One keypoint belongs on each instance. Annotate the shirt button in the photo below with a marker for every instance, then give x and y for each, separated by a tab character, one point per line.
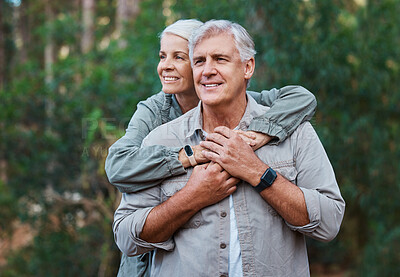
246	268
223	214
222	245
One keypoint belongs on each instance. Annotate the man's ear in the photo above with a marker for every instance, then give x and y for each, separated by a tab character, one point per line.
249	68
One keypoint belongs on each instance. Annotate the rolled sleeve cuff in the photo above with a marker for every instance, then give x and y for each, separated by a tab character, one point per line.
314	215
127	230
272	129
173	163
137	229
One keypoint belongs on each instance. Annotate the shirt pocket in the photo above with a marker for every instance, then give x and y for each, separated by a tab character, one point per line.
287	169
171	186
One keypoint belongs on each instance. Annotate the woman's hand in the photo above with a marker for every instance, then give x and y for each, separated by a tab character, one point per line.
254	139
198	156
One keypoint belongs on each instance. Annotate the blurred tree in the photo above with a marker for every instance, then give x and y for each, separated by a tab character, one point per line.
88	9
62	105
127	10
2	46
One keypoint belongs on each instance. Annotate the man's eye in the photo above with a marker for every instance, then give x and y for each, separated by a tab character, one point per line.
162	57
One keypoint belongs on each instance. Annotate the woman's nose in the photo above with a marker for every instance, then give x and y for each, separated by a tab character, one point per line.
168	64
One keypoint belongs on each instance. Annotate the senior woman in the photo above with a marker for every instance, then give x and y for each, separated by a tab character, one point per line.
131	167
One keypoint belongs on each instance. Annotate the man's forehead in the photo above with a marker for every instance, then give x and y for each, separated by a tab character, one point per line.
222	43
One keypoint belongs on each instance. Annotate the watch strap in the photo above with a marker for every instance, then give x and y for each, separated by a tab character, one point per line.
190	154
192	160
266	180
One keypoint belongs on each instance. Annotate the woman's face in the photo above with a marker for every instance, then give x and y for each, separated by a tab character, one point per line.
174	67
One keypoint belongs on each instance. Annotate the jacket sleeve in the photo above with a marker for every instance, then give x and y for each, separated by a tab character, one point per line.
130	218
316	178
131	167
289	107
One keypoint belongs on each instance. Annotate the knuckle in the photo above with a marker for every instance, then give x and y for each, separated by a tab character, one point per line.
224	158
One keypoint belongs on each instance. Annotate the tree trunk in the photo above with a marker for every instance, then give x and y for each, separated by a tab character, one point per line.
49	48
23	31
2	47
88	25
127	10
3	163
49	103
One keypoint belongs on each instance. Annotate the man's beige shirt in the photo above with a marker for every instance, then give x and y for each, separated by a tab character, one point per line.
269	245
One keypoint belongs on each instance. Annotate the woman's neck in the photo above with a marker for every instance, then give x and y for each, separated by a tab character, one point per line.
187	101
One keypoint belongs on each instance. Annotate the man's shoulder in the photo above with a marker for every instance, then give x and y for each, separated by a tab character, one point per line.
304	130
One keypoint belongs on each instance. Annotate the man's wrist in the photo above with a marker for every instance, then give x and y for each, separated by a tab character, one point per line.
266	180
256	176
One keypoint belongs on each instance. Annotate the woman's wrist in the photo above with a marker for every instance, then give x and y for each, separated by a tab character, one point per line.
197	153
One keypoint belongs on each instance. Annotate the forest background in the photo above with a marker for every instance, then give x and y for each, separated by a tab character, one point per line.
72	73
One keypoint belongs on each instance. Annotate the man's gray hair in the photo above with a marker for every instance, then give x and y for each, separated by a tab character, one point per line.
243	41
183	28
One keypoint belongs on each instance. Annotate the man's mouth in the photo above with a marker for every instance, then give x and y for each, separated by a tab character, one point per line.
211	85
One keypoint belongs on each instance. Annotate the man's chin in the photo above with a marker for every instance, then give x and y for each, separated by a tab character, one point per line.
211	101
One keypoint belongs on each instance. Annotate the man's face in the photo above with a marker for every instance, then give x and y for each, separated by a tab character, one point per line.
218	72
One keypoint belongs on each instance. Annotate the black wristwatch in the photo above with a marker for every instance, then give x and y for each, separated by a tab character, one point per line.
267	179
190	154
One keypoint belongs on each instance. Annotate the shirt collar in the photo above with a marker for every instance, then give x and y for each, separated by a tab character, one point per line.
196	122
252	110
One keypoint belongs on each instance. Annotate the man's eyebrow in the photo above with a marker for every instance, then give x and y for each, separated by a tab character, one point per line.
198	57
220	55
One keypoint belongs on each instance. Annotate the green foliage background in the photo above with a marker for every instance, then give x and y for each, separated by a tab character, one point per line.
54	136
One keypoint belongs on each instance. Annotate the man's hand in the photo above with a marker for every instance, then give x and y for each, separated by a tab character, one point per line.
228	149
254	139
209	184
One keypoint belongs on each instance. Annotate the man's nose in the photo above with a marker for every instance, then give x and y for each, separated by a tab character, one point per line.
209	68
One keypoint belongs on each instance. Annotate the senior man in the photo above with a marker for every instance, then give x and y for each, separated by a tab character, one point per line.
245	213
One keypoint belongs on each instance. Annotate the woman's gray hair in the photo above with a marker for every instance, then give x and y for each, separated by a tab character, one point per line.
183	28
244	42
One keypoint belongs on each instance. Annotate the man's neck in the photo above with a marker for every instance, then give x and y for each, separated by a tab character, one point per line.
228	115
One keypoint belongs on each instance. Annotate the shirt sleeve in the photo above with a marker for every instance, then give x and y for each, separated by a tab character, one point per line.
130	218
131	167
316	178
289	107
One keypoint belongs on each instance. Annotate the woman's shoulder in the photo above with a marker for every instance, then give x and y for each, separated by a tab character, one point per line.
156	100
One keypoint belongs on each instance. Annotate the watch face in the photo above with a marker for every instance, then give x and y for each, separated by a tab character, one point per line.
188	150
269	176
